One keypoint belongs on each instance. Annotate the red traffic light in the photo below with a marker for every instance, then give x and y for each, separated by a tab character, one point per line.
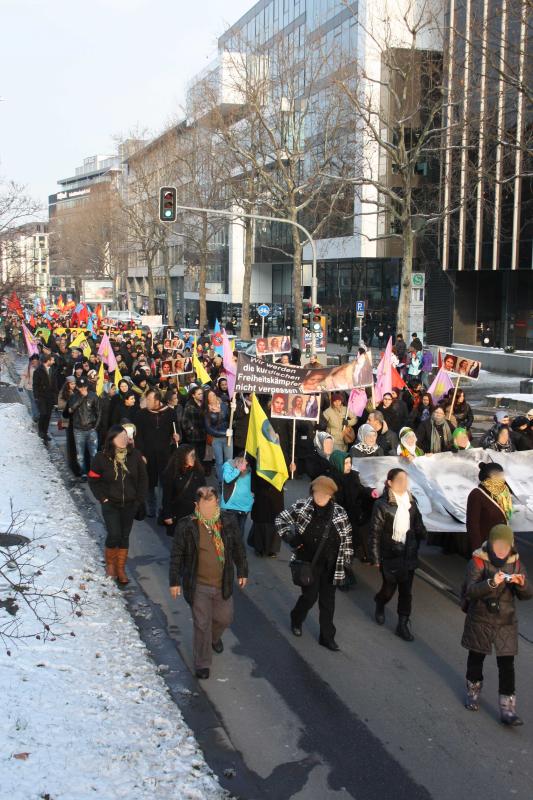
167	204
317	310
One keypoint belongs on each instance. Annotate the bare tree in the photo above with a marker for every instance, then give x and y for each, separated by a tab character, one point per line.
291	144
397	99
17	209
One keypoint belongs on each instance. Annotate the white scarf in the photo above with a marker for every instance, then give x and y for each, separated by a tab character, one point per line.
402	518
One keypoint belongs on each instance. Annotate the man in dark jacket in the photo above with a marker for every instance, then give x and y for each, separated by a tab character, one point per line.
387	439
206	547
45	393
84	410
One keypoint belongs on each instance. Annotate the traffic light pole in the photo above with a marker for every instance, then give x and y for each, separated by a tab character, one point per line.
237	214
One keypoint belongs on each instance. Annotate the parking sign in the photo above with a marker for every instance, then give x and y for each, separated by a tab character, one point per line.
360	309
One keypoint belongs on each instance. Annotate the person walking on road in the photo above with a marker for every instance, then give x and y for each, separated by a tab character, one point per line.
494	577
396	530
119	481
206	550
45	394
182	478
489	504
319	530
84	411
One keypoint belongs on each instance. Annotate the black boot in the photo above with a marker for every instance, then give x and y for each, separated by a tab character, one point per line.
403	630
379	614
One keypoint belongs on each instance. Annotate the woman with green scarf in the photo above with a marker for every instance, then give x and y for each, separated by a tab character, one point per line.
356	499
489	504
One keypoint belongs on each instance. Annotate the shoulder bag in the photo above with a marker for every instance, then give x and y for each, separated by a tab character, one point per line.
302	571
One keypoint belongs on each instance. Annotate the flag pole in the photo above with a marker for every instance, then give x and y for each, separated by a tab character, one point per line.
293	446
230	424
450	412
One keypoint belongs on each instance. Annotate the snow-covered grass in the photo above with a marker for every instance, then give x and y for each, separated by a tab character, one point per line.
88	708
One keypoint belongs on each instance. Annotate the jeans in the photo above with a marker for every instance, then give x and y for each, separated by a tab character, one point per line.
474	671
223	452
82	440
388	588
240	518
34	409
118	522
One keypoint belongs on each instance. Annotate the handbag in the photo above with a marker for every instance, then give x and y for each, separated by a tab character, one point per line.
302	571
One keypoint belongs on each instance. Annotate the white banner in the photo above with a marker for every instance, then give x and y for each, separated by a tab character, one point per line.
442	482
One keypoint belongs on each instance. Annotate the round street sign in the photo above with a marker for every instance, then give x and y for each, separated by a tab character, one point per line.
263	310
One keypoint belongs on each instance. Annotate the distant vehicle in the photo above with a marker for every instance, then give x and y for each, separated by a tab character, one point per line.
125	316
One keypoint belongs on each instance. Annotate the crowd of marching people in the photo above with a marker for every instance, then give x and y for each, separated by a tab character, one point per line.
173	447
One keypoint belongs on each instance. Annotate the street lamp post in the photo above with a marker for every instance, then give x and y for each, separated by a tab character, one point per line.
236	214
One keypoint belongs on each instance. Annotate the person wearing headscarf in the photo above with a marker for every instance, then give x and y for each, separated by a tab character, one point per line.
408	448
119	481
310	523
356	499
494	577
435	434
366	444
489	504
396	530
318	463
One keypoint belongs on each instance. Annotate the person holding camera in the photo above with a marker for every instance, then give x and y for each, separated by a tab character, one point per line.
494	577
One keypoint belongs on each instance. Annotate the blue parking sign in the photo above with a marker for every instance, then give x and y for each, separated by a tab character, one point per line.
360	308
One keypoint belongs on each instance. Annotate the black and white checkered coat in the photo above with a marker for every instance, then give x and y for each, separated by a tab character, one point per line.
294	520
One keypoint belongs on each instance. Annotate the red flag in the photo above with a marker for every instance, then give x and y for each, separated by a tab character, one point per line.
13	304
98	311
60	302
32	321
397	380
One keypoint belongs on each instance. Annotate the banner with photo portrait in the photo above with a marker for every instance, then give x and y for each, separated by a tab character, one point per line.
260	376
460	367
295	406
171	367
273	345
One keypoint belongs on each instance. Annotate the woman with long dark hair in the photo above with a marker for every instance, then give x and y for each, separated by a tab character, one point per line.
182	478
119	481
396	529
193	421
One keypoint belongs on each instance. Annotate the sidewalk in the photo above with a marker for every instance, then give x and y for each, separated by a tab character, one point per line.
86	713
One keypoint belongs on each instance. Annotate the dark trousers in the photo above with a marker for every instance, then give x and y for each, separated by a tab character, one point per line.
45	412
405	593
323	590
474	671
118	522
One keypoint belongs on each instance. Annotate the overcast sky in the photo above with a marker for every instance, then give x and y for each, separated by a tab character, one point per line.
76	73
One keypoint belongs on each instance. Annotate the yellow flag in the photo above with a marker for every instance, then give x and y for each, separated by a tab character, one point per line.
262	443
100	381
201	372
81	342
118	377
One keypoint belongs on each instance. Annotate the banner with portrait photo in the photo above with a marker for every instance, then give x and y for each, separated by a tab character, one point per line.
461	367
171	367
260	376
273	345
295	406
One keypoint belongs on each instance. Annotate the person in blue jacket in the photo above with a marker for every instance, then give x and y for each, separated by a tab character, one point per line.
237	495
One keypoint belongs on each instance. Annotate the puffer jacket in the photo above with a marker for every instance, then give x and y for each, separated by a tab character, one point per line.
484	629
382	546
184	555
84	411
120	489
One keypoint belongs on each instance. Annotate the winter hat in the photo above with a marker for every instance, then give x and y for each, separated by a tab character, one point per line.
338	459
70	379
488	469
459	432
500	415
325	485
501	533
92	374
337	396
81	382
519	422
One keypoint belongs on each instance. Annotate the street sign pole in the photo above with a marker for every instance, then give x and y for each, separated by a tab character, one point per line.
360	314
360	331
262	327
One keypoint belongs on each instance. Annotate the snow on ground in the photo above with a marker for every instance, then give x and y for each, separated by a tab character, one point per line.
89	708
517	398
5	376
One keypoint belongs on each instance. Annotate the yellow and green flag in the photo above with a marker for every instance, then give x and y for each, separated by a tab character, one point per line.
100	381
201	372
118	377
262	443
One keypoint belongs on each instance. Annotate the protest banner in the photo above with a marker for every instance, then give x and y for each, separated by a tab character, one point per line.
461	367
256	375
176	366
272	345
295	406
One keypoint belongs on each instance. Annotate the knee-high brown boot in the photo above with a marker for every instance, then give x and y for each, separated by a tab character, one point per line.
111	562
122	555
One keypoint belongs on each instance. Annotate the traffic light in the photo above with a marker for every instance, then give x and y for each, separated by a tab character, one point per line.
317	313
167	204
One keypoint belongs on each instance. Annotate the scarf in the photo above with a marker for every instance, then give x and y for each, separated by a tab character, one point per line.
499	491
364	430
214	526
402	518
119	461
320	438
436	446
408	450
